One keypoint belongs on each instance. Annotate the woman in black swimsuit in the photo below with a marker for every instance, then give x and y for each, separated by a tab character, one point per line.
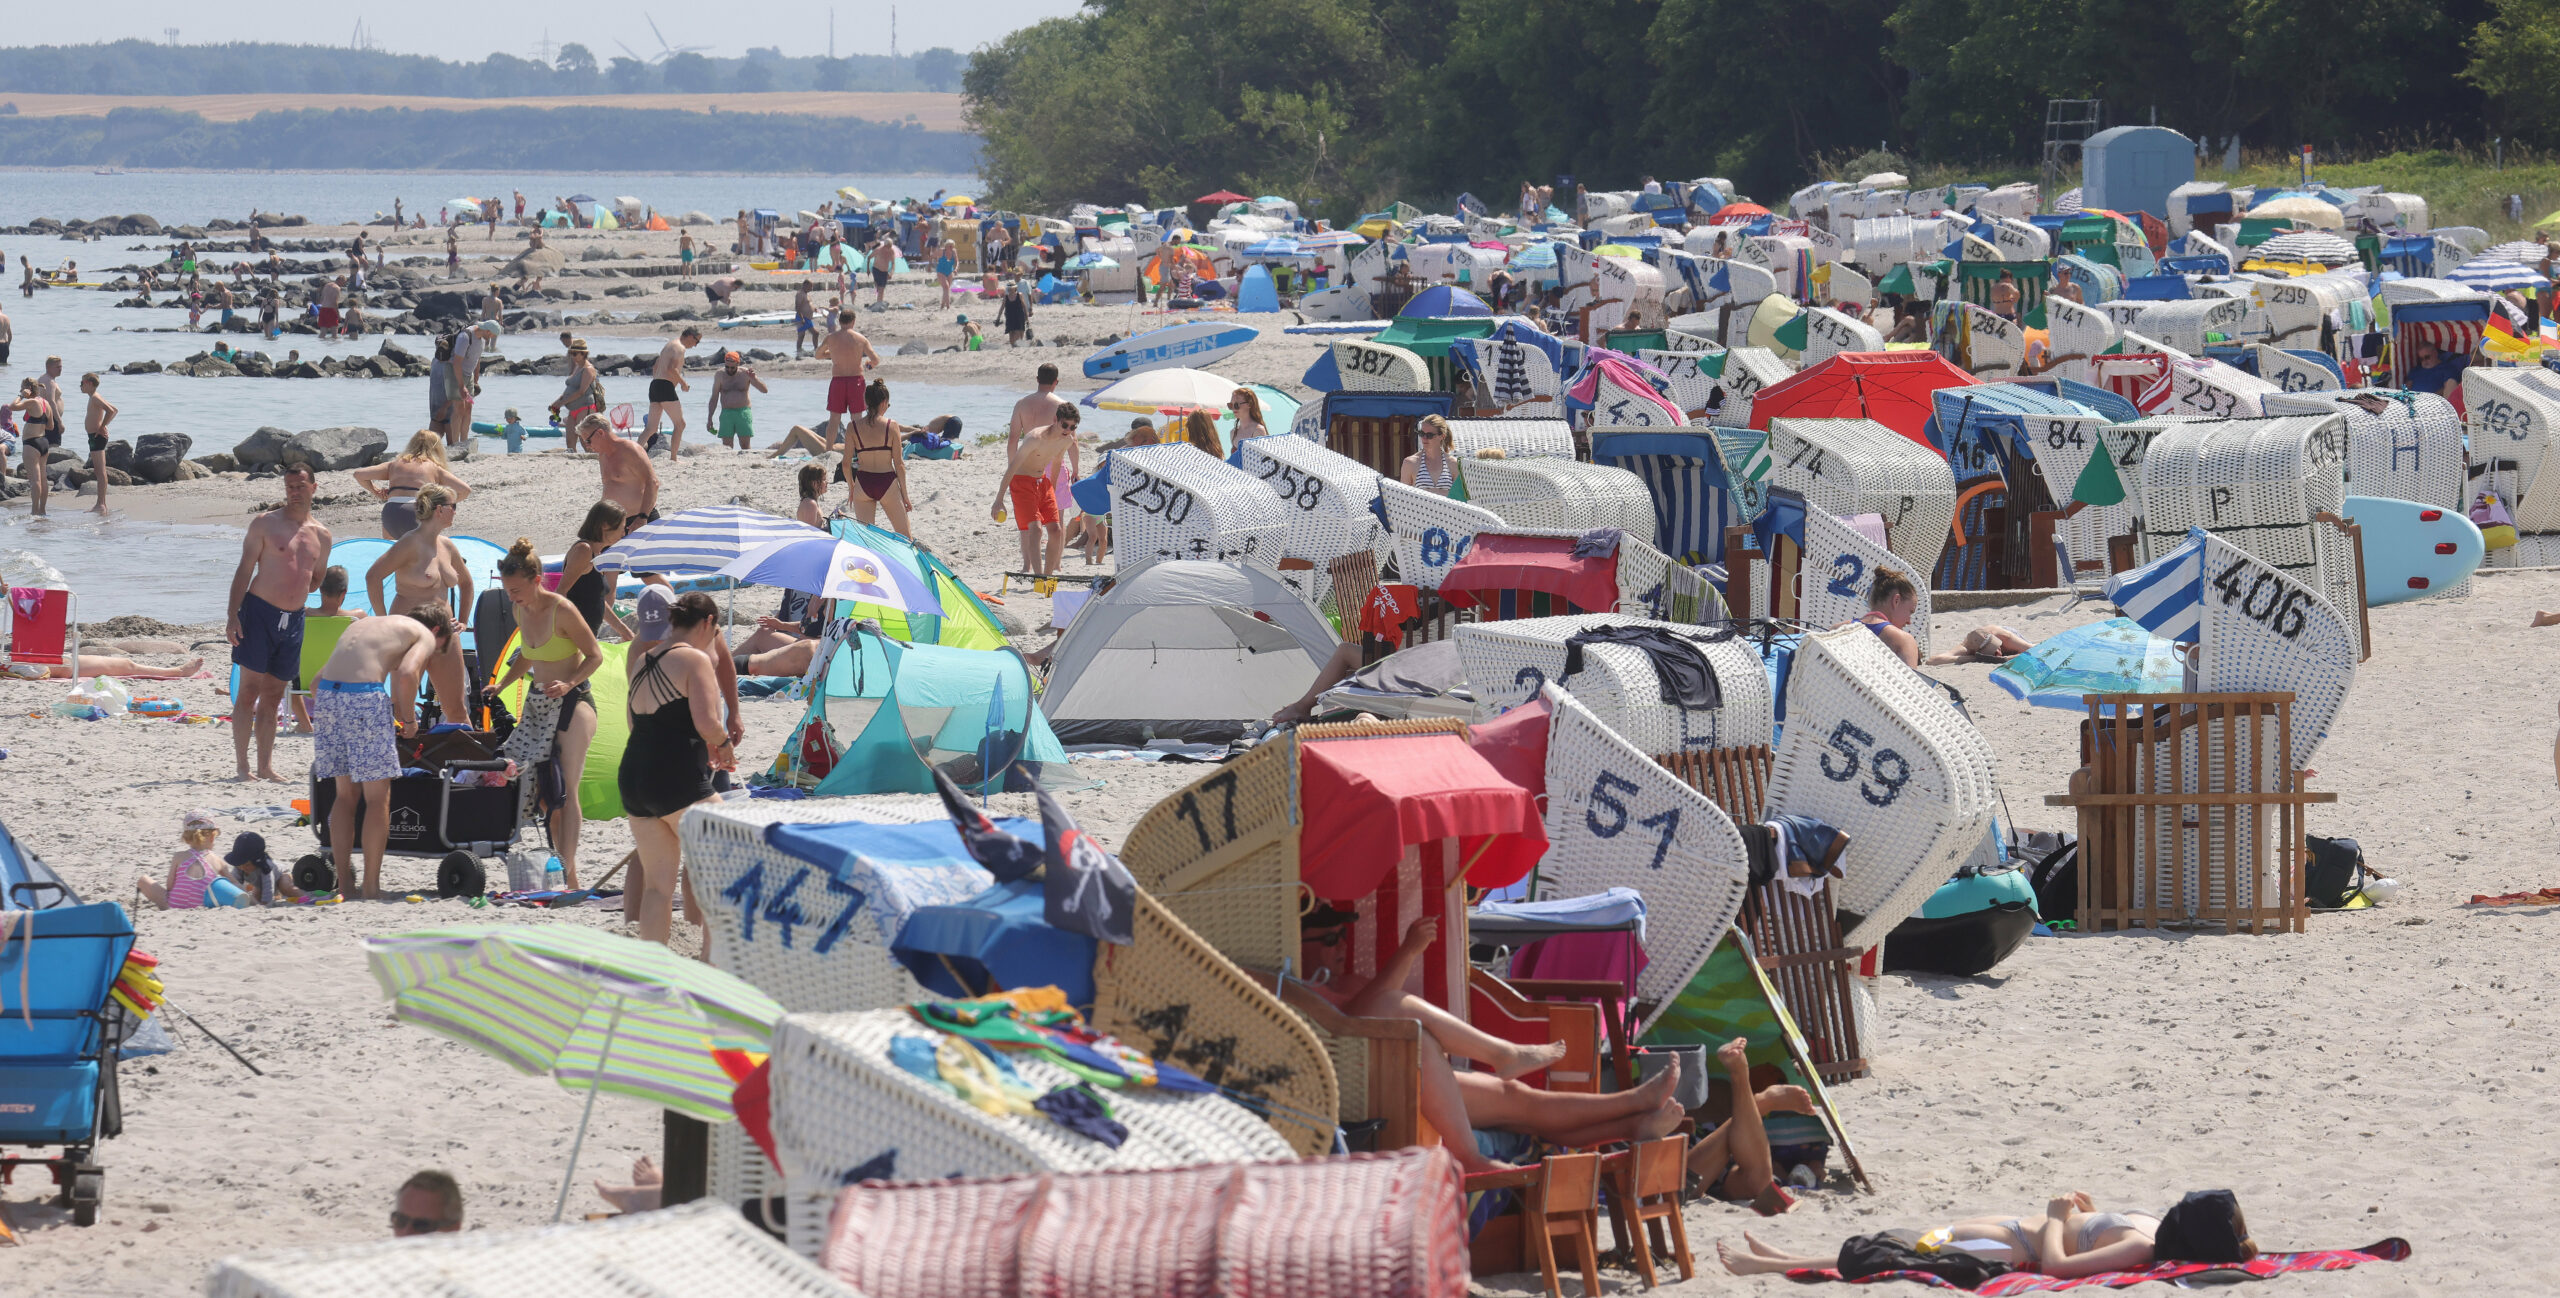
40	433
580	583
677	737
876	457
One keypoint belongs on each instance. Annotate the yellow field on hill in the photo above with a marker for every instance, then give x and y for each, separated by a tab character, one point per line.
934	112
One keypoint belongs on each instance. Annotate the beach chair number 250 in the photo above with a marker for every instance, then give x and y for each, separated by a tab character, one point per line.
1174	505
1847	740
1604	793
783	908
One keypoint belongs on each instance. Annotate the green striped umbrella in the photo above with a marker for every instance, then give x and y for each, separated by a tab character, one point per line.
596	1011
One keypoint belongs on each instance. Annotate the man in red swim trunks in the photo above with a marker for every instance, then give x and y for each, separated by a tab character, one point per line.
1035	498
850	354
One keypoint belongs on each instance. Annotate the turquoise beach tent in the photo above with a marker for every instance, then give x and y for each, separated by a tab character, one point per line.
886	715
966	621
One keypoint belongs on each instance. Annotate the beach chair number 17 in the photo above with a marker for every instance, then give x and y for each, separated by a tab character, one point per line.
1604	798
1848	741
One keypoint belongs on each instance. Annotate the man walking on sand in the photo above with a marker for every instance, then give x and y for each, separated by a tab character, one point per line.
101	413
468	347
356	725
666	377
849	355
804	320
1035	498
281	563
630	480
1034	411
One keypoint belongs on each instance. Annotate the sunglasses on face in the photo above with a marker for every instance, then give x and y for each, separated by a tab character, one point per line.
404	1224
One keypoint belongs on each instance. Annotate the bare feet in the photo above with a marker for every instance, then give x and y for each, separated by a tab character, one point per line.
1735	1055
1529	1059
1744	1262
2541	618
1785	1099
1656	1089
193	665
272	776
1662	1121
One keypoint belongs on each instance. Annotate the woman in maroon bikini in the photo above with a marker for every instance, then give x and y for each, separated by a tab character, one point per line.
876	461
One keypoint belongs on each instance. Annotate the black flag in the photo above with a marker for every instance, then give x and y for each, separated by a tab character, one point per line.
1007	856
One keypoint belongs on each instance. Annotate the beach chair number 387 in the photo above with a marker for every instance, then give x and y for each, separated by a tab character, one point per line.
1849	741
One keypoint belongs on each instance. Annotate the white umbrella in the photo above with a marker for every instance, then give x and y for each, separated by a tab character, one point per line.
1886	180
2309	210
2307	245
701	541
1156	391
2523	252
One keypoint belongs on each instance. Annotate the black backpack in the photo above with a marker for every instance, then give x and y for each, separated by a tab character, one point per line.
2056	878
2334	872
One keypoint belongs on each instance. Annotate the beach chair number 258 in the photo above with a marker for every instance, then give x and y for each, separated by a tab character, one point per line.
1850	742
1604	793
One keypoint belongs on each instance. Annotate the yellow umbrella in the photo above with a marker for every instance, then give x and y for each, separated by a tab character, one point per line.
959	200
2553	219
852	195
1616	250
1774	310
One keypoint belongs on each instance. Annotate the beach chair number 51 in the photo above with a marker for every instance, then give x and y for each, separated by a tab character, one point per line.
1604	793
1851	743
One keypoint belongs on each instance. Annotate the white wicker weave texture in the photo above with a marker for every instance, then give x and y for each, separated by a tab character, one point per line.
1827	333
1553	494
694	1249
1876	749
2514	416
1617	819
2257	483
2210	389
1432	532
1693	389
1517	439
2400	445
1509	662
840	1105
2078	333
1840	568
2265	629
1858	466
1364	366
1747	370
1521	380
1326	497
1180	502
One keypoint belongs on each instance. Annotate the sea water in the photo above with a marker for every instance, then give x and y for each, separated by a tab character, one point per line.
332	198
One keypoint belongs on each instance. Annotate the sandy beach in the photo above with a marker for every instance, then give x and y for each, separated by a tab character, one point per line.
2371	1078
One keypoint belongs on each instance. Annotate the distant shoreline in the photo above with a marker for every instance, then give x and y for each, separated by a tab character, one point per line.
90	168
937	112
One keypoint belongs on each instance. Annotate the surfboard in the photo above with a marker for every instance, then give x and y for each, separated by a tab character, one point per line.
1193	344
2413	550
486	428
759	318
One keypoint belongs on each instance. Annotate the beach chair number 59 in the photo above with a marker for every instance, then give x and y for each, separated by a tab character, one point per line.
1851	742
1604	793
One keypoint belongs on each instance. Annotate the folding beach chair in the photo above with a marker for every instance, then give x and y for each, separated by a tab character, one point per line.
40	627
2069	575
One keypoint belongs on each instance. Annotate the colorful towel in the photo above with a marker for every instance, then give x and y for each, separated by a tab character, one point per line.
2262	1267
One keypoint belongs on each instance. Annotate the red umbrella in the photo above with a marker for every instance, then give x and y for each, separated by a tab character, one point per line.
1224	196
1731	213
1891	388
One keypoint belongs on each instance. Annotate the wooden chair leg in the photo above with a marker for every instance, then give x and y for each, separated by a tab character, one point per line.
1626	1220
1533	1220
1680	1242
1587	1248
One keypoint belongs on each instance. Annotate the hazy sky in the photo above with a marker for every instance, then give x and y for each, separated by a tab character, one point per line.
472	29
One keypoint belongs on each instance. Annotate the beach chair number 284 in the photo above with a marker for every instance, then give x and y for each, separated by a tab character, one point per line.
1848	740
1604	793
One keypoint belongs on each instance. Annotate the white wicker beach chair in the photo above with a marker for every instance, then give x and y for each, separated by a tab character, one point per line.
2210	389
1521	380
1509	662
1180	502
1848	286
1431	531
1990	345
2292	311
1840	568
2293	375
2181	323
2257	483
1878	751
2400	445
1518	439
1747	286
1827	333
1693	387
1617	819
1326	498
2078	333
1858	466
2513	415
841	1106
695	1248
1365	366
2020	240
1552	494
1746	371
2063	447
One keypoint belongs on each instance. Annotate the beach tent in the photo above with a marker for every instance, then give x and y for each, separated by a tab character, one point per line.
1185	650
1445	300
882	716
26	882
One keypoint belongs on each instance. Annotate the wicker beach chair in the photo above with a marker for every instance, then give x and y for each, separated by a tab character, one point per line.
1179	502
1365	366
2261	484
1747	370
2181	323
1839	570
2513	413
2212	389
1430	531
1827	333
1388	1224
1693	373
1511	663
1326	497
1517	439
697	1248
1858	466
1520	378
1982	343
2404	445
1550	494
2078	333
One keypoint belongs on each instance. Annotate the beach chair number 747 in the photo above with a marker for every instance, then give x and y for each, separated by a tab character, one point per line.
1845	740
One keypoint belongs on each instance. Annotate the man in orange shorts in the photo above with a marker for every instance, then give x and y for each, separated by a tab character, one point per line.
1035	498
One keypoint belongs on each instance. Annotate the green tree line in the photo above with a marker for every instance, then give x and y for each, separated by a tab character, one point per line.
1350	102
488	139
133	67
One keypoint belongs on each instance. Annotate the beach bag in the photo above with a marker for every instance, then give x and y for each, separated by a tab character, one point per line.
2334	873
2056	878
2497	527
1899	1250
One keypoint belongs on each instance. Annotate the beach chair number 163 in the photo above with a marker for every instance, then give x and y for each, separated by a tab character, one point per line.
1604	793
1849	741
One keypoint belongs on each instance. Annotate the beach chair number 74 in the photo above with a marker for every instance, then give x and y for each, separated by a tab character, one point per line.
1668	820
1847	740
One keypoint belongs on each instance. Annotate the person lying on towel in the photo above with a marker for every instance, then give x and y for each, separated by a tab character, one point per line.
2071	1239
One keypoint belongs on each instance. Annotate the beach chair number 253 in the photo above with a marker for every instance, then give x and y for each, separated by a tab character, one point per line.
1604	797
1852	744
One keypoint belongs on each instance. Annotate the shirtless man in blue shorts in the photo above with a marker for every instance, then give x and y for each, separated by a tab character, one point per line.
281	561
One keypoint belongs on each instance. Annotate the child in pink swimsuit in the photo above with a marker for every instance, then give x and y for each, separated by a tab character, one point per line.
191	872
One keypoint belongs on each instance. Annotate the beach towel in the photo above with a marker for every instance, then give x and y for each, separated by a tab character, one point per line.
2261	1267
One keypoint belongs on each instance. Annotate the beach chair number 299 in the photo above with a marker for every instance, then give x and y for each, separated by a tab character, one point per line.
1851	742
1604	793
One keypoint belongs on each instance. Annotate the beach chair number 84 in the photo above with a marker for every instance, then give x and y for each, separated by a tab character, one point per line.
1604	797
1851	742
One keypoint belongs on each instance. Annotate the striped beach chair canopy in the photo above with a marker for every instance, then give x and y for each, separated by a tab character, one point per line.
2166	595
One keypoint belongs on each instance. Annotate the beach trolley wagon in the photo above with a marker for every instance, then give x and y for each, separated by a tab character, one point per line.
2263	485
1850	467
443	805
1180	502
1335	539
61	1035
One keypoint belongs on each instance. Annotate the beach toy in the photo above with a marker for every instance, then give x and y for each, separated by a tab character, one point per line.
223	892
156	707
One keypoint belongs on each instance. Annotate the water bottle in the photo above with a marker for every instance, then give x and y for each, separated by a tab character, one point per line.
553	877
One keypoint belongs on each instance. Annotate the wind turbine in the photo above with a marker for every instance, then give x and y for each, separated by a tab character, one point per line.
666	51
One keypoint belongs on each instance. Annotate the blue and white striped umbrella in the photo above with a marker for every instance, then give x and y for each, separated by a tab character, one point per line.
2492	275
2166	595
701	541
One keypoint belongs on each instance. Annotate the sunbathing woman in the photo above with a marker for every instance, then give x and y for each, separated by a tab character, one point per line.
2071	1239
1456	1103
98	665
1891	604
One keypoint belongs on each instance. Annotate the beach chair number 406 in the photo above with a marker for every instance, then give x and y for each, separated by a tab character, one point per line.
1175	505
1847	740
2282	612
1604	798
782	910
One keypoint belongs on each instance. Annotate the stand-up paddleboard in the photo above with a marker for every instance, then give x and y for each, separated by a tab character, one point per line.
2413	550
759	318
1192	344
491	428
1342	302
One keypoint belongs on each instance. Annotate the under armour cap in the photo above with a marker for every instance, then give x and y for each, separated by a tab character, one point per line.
652	622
